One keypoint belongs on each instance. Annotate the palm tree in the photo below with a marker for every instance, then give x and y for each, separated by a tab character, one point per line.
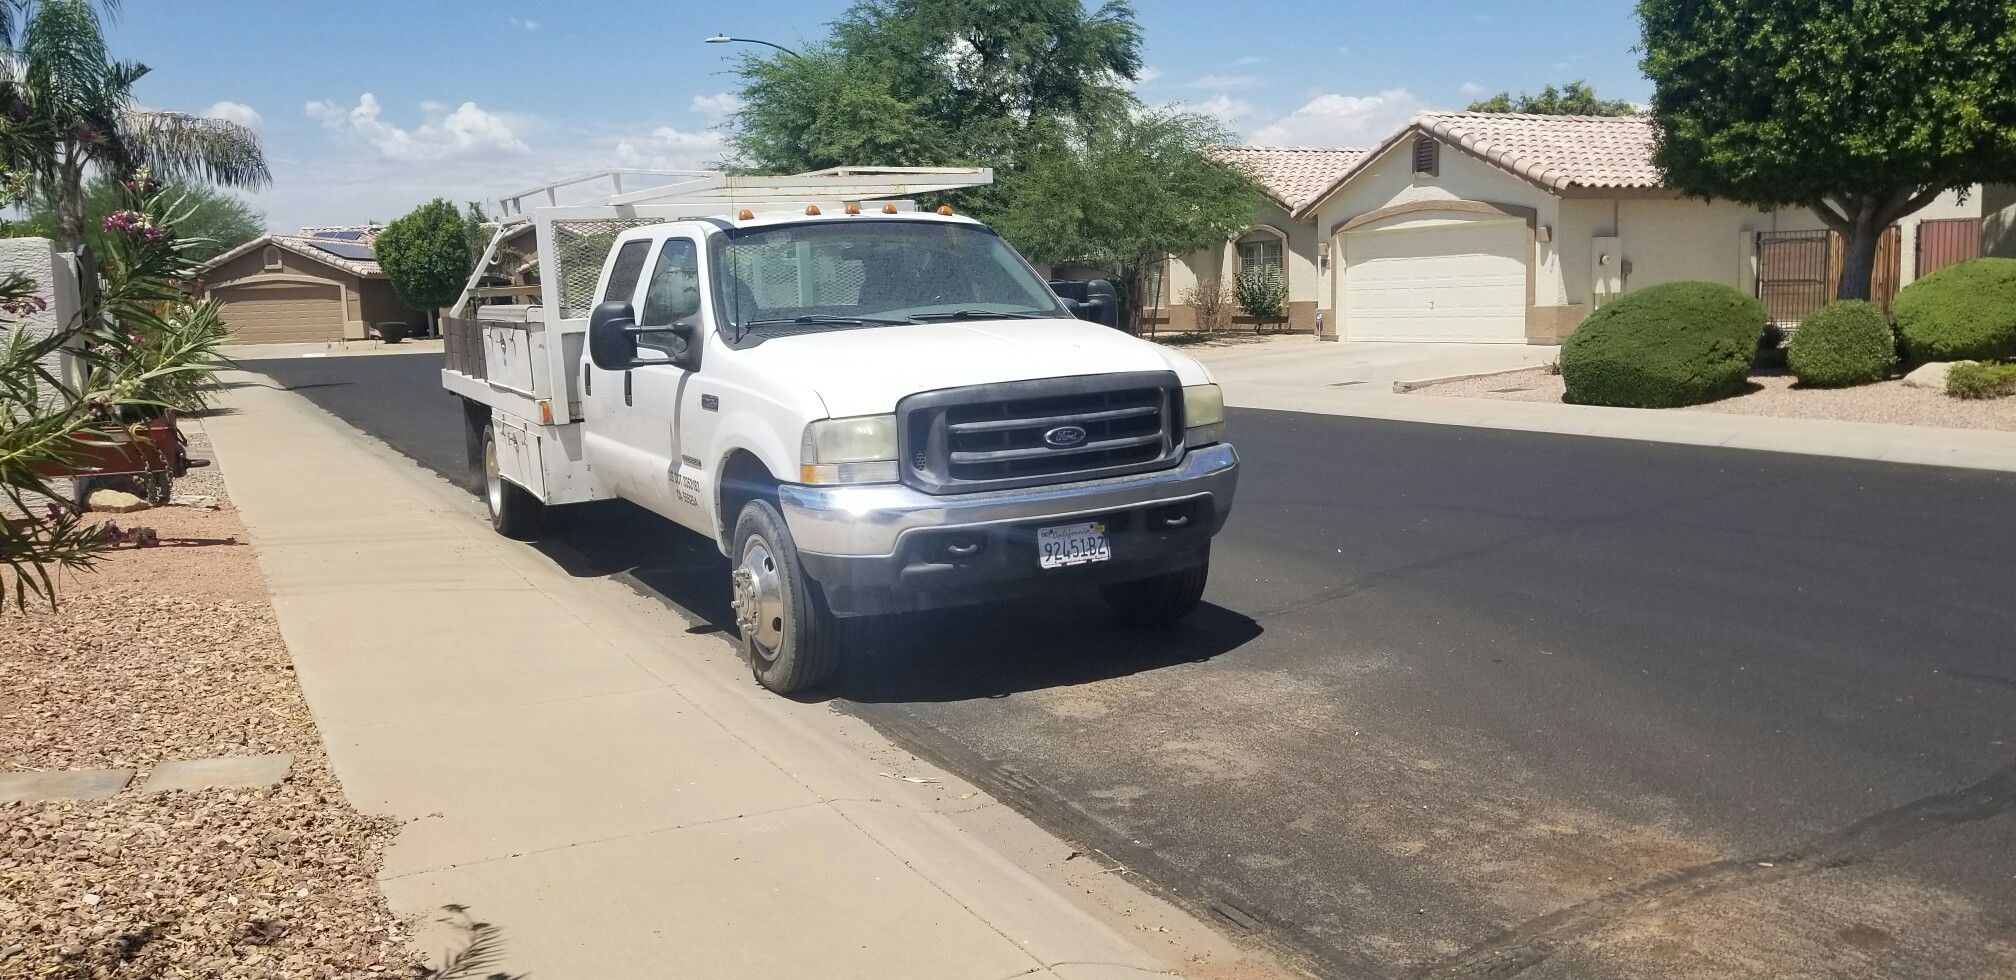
67	84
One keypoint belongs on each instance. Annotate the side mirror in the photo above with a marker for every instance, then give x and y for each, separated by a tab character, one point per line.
612	336
1101	305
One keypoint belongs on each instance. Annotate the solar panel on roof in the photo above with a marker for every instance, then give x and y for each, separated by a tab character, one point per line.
348	250
342	236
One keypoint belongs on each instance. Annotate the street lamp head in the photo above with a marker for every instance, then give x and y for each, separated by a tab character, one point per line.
719	39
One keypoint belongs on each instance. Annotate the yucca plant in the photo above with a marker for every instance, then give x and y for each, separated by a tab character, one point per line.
141	345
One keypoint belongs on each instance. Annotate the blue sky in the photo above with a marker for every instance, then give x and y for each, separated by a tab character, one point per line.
369	107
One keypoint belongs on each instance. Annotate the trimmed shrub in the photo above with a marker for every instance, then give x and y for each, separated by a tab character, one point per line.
1972	379
1842	344
1678	343
1964	312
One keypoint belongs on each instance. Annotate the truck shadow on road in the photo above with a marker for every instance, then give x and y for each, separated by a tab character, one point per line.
947	655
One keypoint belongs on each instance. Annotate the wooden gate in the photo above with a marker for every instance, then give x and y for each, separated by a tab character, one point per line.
1944	241
1800	271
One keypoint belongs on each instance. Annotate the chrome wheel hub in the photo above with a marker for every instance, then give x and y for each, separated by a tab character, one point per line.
759	598
493	480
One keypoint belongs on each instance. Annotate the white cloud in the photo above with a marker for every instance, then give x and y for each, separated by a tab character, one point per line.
669	148
1224	108
1472	89
717	107
1145	77
1334	119
1246	62
524	24
1221	83
237	112
466	132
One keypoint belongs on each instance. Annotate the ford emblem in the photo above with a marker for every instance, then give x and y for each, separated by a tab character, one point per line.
1065	436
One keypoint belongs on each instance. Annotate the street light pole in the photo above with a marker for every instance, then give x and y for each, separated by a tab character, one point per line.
725	39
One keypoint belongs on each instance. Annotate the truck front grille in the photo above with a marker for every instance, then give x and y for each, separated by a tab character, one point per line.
1028	433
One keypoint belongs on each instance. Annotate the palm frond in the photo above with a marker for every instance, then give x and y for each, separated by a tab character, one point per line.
178	146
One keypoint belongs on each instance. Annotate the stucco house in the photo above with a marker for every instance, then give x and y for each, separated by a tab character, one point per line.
1290	177
321	285
1510	228
1998	220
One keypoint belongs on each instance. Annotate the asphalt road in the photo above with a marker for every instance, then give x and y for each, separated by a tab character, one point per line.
1471	702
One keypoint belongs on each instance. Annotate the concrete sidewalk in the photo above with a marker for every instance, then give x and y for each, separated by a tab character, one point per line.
603	782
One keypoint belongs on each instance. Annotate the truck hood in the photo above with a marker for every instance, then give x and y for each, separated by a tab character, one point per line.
865	370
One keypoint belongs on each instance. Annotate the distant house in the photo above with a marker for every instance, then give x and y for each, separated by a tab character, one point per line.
321	285
1509	228
1276	242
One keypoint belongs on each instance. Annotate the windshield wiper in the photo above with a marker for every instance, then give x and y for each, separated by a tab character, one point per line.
978	315
831	318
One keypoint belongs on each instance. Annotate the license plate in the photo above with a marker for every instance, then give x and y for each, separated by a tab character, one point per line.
1072	544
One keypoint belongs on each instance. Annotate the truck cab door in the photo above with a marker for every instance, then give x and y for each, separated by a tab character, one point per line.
660	394
605	443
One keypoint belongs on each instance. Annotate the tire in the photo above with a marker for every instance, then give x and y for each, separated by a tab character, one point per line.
1158	602
798	647
475	419
514	512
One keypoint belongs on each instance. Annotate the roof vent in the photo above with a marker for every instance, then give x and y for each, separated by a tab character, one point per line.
1427	156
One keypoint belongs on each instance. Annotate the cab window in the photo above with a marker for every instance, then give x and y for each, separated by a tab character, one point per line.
623	275
673	295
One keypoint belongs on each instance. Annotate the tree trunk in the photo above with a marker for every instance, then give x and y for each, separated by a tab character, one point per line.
1858	258
69	203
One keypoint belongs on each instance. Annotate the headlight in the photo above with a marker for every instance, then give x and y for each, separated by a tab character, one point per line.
855	450
1203	415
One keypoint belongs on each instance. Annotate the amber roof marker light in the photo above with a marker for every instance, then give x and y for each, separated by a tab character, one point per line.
945	209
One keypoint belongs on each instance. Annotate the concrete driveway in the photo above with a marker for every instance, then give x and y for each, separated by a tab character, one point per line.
1305	362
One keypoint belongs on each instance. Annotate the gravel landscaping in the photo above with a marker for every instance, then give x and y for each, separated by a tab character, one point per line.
1777	395
169	653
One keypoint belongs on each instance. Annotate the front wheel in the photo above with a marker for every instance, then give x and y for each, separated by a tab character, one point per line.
788	633
1159	601
514	512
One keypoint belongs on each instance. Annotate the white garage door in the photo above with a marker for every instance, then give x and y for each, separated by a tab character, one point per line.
1463	281
266	313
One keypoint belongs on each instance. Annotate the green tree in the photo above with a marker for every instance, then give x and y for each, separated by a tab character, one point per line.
1863	112
426	255
67	84
1573	99
993	83
216	221
1124	195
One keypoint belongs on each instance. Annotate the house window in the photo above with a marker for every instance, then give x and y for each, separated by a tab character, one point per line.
1427	157
1151	286
272	257
1261	253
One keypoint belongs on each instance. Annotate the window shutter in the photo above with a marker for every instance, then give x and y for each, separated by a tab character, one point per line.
1426	155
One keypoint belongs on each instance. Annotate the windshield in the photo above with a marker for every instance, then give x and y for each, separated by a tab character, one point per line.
831	275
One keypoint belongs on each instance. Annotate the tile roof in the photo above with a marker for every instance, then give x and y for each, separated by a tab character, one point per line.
1293	175
1556	152
304	246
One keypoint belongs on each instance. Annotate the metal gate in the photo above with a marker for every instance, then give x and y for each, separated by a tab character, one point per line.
1800	271
1944	241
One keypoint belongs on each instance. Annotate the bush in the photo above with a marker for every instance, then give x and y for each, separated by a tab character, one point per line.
1970	379
1677	343
1262	294
1843	344
1964	312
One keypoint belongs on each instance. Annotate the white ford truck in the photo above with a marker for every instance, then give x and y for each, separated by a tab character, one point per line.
870	409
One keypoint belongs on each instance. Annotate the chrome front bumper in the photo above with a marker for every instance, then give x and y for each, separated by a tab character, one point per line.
870	521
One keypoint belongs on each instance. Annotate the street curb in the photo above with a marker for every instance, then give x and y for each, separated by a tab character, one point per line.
1403	387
